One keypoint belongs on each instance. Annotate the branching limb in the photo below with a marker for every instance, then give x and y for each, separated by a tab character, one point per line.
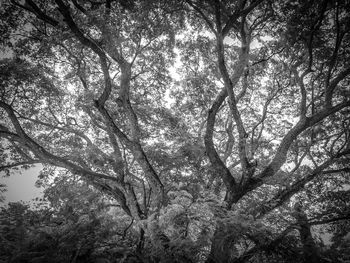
281	154
285	194
70	131
46	157
339	38
139	154
88	42
230	84
214	157
30	6
333	84
202	15
241	11
254	143
64	10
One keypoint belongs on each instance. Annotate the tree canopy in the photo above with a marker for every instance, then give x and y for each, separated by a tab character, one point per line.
205	130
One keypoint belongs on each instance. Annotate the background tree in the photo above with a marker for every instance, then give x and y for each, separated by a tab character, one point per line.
260	118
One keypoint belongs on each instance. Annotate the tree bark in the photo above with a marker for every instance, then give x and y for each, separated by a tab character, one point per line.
310	252
221	247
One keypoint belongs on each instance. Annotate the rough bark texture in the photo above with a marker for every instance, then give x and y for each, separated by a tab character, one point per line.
310	252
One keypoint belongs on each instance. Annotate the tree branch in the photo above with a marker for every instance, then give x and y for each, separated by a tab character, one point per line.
200	12
285	194
64	10
241	12
39	13
329	220
138	153
229	85
300	80
281	154
333	84
214	158
22	138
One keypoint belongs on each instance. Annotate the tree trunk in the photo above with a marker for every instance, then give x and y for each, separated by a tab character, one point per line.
310	252
221	247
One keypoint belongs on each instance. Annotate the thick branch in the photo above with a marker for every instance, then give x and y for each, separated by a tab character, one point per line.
230	140
214	157
22	138
39	13
115	193
300	80
97	179
281	154
107	79
302	125
72	131
333	84
137	151
310	252
284	195
64	10
124	96
241	12
200	12
230	84
78	6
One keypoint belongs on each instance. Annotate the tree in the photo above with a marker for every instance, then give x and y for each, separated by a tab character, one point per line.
259	119
78	230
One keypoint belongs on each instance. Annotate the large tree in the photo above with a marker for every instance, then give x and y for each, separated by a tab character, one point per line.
203	120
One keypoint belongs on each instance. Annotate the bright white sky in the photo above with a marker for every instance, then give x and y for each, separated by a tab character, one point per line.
22	186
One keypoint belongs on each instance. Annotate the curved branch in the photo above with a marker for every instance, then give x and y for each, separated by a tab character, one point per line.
125	97
23	138
113	192
78	6
33	8
230	84
300	80
240	12
215	160
333	84
254	142
64	10
138	153
284	195
97	179
281	154
230	140
72	131
200	12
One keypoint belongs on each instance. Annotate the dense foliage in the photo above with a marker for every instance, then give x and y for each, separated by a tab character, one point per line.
177	131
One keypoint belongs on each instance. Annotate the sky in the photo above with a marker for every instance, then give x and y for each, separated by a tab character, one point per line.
21	186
